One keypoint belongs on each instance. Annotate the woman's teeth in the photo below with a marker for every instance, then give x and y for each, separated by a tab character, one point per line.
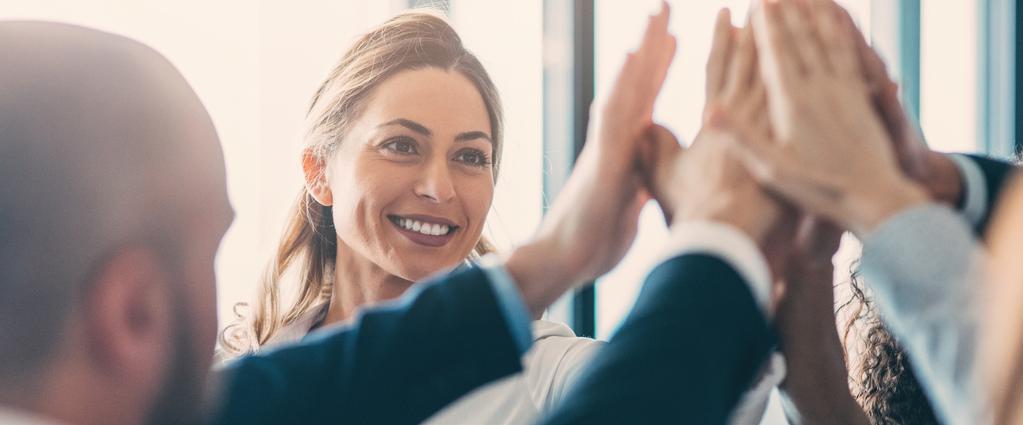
424	228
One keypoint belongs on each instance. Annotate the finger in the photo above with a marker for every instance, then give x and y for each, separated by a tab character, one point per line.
742	67
808	45
653	37
779	64
874	68
820	16
654	58
720	54
643	55
892	112
621	91
664	53
660	70
843	44
755	110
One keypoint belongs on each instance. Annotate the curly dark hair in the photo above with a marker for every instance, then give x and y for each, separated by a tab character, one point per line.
888	390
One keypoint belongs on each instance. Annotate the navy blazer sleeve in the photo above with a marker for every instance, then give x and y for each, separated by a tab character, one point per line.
691	346
396	364
997	174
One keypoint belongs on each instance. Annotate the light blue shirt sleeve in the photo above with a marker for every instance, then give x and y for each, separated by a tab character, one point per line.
926	268
510	301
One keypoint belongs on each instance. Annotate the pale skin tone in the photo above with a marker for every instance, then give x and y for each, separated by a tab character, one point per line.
818	92
1002	335
422	148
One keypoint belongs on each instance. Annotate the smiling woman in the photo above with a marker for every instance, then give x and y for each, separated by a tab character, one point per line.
403	146
419	153
406	130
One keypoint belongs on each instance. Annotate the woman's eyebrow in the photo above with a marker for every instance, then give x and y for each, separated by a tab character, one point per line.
409	124
473	135
421	129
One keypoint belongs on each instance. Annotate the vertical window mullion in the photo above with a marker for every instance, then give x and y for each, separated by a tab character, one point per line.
569	85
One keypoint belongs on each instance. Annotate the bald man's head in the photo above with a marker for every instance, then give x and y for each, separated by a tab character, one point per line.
109	167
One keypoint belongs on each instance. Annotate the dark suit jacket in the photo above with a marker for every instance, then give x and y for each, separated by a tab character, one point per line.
394	365
690	348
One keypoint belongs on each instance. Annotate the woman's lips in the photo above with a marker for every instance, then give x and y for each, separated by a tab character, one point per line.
424	232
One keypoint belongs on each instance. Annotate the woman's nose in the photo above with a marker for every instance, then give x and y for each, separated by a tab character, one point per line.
435	183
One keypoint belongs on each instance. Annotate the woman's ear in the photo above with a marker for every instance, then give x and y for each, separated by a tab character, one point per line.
315	170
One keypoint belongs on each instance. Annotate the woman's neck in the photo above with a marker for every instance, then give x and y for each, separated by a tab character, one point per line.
358	283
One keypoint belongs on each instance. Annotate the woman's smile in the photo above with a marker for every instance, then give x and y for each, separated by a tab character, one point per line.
425	230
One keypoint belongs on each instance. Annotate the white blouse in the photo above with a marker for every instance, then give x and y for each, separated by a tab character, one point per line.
550	367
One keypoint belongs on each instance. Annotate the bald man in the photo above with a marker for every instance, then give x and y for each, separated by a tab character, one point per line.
113	204
112	207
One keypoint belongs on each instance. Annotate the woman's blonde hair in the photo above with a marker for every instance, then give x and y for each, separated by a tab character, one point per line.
412	40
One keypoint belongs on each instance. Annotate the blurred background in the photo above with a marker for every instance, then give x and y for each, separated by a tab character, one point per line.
256	64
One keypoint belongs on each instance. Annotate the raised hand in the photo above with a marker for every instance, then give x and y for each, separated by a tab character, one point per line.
831	153
594	220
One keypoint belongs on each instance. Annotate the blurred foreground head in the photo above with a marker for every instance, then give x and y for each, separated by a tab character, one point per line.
1002	320
112	206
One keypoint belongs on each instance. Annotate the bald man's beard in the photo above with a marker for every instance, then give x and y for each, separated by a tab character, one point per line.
181	397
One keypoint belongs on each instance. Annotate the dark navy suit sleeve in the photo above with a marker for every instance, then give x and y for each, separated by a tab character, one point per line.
395	364
997	174
691	346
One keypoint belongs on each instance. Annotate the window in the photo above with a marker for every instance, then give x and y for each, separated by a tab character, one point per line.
949	61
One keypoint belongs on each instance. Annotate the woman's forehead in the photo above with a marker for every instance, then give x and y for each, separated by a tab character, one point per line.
444	102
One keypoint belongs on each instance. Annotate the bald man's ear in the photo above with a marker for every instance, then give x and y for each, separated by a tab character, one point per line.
128	318
315	170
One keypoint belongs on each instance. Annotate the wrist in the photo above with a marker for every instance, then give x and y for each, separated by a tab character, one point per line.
540	275
943	182
870	210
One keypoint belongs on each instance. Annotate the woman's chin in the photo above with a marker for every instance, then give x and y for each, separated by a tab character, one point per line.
420	271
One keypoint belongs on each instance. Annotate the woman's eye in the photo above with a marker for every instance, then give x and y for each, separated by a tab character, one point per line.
473	157
402	146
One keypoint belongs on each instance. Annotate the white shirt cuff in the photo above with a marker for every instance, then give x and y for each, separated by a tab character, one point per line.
974	206
731	245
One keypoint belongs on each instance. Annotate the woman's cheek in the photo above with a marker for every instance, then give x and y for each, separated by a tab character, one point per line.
478	196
